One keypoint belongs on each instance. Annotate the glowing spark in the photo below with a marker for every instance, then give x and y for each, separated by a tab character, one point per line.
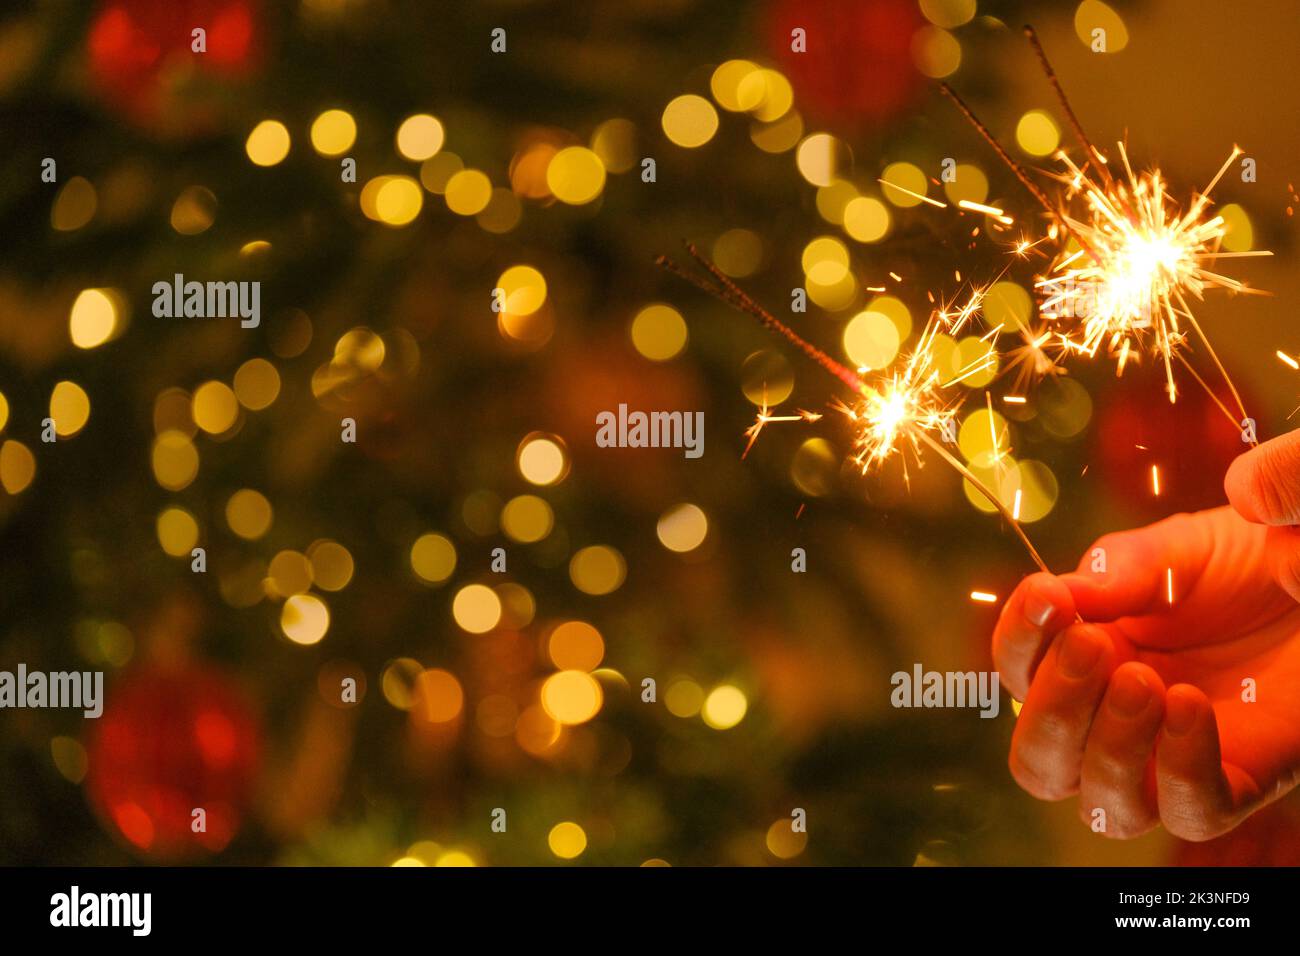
1169	585
899	404
1014	399
896	410
1155	480
1015	508
920	196
1129	259
998	214
1036	358
984	597
1127	289
1288	359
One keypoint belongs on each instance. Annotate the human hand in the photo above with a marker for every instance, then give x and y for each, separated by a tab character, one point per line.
1185	714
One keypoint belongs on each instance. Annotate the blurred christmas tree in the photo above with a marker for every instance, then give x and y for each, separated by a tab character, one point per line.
333	565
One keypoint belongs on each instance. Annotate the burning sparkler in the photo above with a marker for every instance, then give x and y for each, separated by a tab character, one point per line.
896	412
1137	259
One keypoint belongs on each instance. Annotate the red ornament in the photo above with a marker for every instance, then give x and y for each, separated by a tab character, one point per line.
171	742
857	69
143	62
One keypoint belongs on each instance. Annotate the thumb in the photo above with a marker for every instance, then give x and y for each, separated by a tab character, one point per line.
1263	485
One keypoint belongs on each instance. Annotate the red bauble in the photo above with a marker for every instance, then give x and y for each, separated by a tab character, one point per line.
171	742
142	61
1191	441
858	68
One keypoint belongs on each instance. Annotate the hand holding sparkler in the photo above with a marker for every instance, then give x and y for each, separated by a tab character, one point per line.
1176	707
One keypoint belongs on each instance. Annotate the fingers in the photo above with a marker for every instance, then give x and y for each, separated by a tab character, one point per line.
1199	797
1039	608
1114	776
1134	573
1282	551
1047	745
1264	483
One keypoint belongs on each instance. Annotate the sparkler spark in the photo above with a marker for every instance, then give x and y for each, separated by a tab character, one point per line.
895	411
1141	259
899	406
1136	259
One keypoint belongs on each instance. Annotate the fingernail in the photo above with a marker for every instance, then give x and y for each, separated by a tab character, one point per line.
1180	714
1078	655
1038	609
1129	696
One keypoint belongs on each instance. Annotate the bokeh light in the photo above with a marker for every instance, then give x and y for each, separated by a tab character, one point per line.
268	143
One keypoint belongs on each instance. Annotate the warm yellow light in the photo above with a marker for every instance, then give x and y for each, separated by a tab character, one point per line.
567	840
333	132
304	619
468	192
1037	133
398	201
257	384
175	460
17	466
597	570
614	141
1092	16
726	86
438	696
420	136
433	558
194	211
910	182
527	519
819	158
476	608
178	532
541	460
268	143
936	52
571	697
825	261
724	707
576	645
575	175
690	121
682	528
866	219
948	13
289	573
331	565
69	407
524	289
93	318
871	340
248	513
684	698
659	332
216	409
75	205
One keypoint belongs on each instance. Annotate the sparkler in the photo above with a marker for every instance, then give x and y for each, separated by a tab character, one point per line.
896	412
1139	259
